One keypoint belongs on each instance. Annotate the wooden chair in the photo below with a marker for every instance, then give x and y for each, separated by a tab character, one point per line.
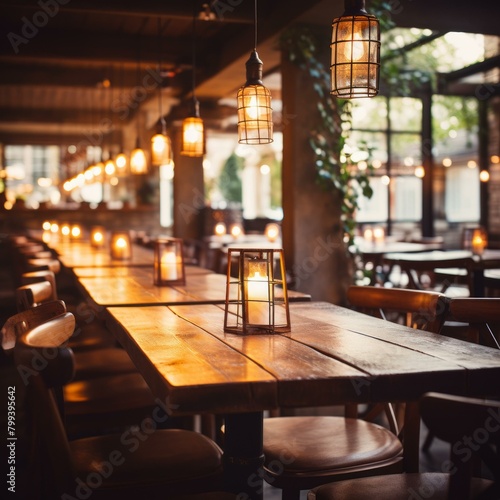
139	463
474	320
327	448
477	320
453	419
90	363
90	332
421	272
106	392
423	310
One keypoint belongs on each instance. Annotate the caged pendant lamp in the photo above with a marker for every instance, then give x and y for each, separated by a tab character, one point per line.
355	53
255	120
193	130
161	147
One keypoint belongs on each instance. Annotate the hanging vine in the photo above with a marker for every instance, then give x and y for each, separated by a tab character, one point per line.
327	140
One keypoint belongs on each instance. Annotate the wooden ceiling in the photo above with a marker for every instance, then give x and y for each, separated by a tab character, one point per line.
56	56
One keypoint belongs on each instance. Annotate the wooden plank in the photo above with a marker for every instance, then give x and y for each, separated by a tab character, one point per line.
193	371
99	272
481	363
304	374
111	291
314	361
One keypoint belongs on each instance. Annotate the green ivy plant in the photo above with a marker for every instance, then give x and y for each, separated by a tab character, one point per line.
327	140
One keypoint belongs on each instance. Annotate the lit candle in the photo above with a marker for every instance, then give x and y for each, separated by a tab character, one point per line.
97	237
379	235
272	232
220	229
76	232
236	231
478	244
258	299
168	266
368	234
120	248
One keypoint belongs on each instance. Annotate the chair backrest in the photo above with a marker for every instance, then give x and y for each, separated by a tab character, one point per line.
37	276
33	294
28	319
481	314
471	427
424	310
45	366
40	264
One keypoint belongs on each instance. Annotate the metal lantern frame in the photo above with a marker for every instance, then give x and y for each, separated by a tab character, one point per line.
355	53
169	262
256	304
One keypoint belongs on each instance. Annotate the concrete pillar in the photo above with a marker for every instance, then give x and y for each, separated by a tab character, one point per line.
315	254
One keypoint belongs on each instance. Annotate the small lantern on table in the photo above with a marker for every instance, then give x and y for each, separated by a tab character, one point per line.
256	300
121	245
169	262
98	236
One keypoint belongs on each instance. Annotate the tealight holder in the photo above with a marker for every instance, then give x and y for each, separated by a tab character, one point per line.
272	232
169	262
98	236
121	245
479	241
236	230
257	300
220	229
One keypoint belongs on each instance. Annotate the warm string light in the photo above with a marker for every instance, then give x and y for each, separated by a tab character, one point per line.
355	52
255	122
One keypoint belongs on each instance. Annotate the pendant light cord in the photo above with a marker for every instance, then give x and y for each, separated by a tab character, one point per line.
255	25
194	50
162	119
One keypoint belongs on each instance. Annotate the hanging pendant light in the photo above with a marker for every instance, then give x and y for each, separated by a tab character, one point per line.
161	147
193	129
255	121
138	160
355	52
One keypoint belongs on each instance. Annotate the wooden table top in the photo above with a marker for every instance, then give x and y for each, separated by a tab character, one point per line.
378	249
134	286
332	356
81	254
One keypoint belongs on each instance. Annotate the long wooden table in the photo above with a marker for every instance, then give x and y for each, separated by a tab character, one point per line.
332	356
134	286
455	266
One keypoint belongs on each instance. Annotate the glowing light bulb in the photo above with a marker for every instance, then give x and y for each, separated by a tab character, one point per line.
354	50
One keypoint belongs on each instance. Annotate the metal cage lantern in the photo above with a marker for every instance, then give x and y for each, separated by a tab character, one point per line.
355	53
255	115
169	262
257	299
161	150
193	133
121	245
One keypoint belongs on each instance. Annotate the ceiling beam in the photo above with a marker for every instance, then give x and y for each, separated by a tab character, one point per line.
229	11
95	48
